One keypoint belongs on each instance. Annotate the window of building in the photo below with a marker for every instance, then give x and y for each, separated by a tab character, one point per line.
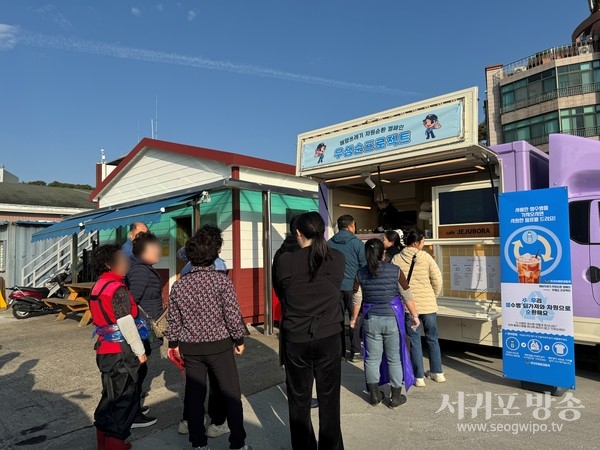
580	119
532	128
528	88
578	74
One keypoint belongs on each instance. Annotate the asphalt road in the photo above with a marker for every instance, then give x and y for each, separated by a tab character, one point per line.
49	387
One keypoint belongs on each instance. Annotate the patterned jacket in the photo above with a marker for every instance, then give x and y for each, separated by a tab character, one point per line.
204	313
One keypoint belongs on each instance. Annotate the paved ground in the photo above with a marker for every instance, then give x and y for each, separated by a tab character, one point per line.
49	386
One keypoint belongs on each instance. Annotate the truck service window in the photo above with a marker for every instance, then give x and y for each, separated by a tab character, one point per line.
468	206
579	221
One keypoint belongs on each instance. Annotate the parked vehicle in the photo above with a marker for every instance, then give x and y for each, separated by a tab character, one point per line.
26	300
448	185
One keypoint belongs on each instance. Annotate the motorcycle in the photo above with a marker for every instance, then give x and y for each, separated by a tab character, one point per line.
26	300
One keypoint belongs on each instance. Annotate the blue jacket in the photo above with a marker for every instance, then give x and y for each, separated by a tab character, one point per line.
354	252
379	291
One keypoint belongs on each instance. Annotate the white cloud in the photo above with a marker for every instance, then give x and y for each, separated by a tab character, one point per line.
136	11
160	7
78	45
50	11
8	36
191	15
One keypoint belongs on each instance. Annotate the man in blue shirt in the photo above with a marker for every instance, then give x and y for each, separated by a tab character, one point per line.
345	241
134	229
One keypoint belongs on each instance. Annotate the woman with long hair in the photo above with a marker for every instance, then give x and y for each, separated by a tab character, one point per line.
312	333
384	289
425	280
392	241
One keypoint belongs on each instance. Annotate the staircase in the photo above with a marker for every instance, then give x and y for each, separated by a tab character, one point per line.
55	259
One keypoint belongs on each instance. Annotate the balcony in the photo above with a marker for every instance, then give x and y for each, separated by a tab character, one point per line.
584	47
560	92
581	132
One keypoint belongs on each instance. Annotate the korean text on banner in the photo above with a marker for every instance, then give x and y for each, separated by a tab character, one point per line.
537	303
431	126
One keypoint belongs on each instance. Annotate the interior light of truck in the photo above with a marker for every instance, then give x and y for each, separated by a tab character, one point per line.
480	167
421	166
347	205
432	177
351	177
386	181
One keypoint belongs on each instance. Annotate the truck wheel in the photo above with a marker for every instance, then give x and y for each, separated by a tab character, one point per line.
20	313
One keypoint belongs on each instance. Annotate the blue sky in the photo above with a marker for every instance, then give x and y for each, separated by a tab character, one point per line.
243	76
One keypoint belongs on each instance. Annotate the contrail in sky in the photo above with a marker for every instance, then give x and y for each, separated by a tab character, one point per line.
74	44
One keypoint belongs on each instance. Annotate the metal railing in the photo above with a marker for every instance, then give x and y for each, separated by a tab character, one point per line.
55	259
584	132
589	45
552	95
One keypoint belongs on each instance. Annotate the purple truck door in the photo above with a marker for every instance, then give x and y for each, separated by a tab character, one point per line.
593	273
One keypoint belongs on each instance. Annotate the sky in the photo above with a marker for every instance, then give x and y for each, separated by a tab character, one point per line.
77	76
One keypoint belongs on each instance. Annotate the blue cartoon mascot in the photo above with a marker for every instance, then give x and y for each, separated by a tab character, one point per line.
431	123
320	152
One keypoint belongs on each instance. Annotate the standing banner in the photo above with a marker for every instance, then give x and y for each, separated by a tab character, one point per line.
537	303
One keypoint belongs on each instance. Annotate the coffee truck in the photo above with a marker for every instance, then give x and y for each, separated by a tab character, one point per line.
426	161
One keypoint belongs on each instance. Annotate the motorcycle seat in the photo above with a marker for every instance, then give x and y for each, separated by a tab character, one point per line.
41	290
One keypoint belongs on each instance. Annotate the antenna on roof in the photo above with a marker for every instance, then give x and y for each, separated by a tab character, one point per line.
102	156
154	122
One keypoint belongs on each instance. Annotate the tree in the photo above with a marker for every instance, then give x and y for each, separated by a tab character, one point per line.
83	187
482	135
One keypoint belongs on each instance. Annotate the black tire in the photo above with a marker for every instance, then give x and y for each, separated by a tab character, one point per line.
20	313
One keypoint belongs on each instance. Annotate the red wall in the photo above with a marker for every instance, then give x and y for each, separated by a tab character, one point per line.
249	286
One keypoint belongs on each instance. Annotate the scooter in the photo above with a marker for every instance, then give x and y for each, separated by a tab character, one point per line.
26	300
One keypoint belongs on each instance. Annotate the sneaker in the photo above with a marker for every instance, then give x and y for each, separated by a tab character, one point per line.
419	382
437	377
142	421
183	427
355	357
214	431
145	410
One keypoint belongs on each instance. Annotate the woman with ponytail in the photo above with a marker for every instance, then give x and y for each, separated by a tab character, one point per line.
312	334
384	290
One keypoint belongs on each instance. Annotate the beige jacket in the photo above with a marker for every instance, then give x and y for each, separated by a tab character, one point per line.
426	280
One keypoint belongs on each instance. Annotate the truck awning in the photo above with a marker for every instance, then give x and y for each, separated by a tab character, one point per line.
420	165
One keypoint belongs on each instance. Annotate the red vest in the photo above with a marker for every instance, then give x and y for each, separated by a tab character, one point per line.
101	307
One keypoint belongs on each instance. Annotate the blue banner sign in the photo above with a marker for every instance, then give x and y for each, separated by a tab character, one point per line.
430	126
537	302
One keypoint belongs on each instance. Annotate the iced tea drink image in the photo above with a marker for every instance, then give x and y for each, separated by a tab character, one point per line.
529	268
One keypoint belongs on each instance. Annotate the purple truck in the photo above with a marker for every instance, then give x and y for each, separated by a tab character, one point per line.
573	162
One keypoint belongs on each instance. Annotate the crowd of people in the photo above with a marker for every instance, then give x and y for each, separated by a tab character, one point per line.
386	287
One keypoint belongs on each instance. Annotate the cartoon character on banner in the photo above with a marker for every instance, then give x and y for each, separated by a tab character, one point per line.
320	152
431	123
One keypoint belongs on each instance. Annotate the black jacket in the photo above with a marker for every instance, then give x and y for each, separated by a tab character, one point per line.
311	309
145	285
289	245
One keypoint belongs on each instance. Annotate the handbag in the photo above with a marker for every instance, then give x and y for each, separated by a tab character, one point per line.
157	326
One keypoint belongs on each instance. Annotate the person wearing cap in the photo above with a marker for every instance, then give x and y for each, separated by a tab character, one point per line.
388	216
392	242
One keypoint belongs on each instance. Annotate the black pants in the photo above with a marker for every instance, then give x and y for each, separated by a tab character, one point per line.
216	406
119	403
222	367
355	333
319	360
